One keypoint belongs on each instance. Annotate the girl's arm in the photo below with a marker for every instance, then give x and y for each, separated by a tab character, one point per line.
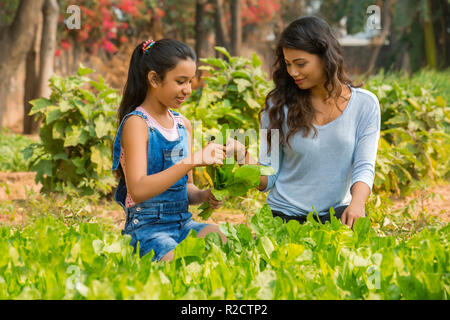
142	186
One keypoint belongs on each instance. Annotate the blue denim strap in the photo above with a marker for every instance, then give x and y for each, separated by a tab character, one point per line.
118	138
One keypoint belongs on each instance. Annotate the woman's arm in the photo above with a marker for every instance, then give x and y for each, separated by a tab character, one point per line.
368	134
356	209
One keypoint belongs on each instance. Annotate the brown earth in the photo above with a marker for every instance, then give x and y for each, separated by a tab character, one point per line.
19	182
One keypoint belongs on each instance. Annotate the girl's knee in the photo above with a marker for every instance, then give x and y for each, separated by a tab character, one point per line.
210	229
168	256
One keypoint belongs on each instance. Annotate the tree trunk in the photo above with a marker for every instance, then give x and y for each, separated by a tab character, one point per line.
220	26
48	45
31	83
199	28
15	43
236	27
378	42
430	45
50	13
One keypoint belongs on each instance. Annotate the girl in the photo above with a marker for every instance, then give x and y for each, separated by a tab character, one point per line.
153	150
328	129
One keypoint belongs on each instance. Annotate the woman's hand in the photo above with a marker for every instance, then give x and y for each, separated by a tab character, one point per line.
236	150
213	153
351	214
207	195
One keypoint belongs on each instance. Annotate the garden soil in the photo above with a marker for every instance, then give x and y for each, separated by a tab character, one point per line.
19	182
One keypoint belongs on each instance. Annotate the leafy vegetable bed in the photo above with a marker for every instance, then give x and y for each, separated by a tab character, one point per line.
269	260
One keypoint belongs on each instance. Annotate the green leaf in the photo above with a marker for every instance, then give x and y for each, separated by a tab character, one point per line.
362	227
53	114
43	167
248	174
190	247
82	108
244	234
223	51
206	210
252	103
99	156
65	106
83	71
58	130
220	194
102	127
242	84
40	105
256	62
72	136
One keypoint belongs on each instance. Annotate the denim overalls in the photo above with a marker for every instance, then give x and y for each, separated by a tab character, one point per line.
161	222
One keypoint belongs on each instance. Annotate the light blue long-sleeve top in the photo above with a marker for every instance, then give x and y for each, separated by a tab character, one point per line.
319	172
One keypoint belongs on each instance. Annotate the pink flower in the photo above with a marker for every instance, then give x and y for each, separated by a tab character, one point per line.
110	47
111	35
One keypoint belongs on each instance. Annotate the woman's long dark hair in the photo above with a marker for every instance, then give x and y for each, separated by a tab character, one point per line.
313	35
162	57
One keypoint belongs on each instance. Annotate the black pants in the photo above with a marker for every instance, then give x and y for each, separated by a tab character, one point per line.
302	219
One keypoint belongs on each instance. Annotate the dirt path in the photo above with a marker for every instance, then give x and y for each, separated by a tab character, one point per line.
18	181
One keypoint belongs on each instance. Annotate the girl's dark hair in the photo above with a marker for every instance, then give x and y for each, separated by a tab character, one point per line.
161	57
313	35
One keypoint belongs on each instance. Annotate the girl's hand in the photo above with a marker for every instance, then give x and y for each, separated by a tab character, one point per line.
211	154
236	150
351	214
213	202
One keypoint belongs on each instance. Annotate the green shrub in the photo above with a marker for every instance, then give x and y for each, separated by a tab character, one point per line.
77	134
234	93
415	133
11	151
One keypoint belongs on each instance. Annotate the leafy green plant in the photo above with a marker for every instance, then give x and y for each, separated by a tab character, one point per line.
77	134
11	151
415	133
55	258
234	93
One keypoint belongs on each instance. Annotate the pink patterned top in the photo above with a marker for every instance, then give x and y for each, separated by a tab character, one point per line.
170	134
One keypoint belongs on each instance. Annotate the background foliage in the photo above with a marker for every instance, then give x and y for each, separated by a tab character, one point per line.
76	135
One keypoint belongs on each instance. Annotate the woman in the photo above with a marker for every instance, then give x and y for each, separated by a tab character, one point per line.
328	130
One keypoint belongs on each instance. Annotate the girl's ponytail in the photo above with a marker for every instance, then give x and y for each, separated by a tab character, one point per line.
136	86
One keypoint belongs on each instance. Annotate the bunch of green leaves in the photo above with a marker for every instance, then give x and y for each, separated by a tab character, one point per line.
415	133
229	179
11	151
76	136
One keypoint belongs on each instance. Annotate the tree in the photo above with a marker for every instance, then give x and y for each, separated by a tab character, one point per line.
38	74
408	24
15	42
236	27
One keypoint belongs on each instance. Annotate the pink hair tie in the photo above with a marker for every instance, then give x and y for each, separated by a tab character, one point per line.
147	45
